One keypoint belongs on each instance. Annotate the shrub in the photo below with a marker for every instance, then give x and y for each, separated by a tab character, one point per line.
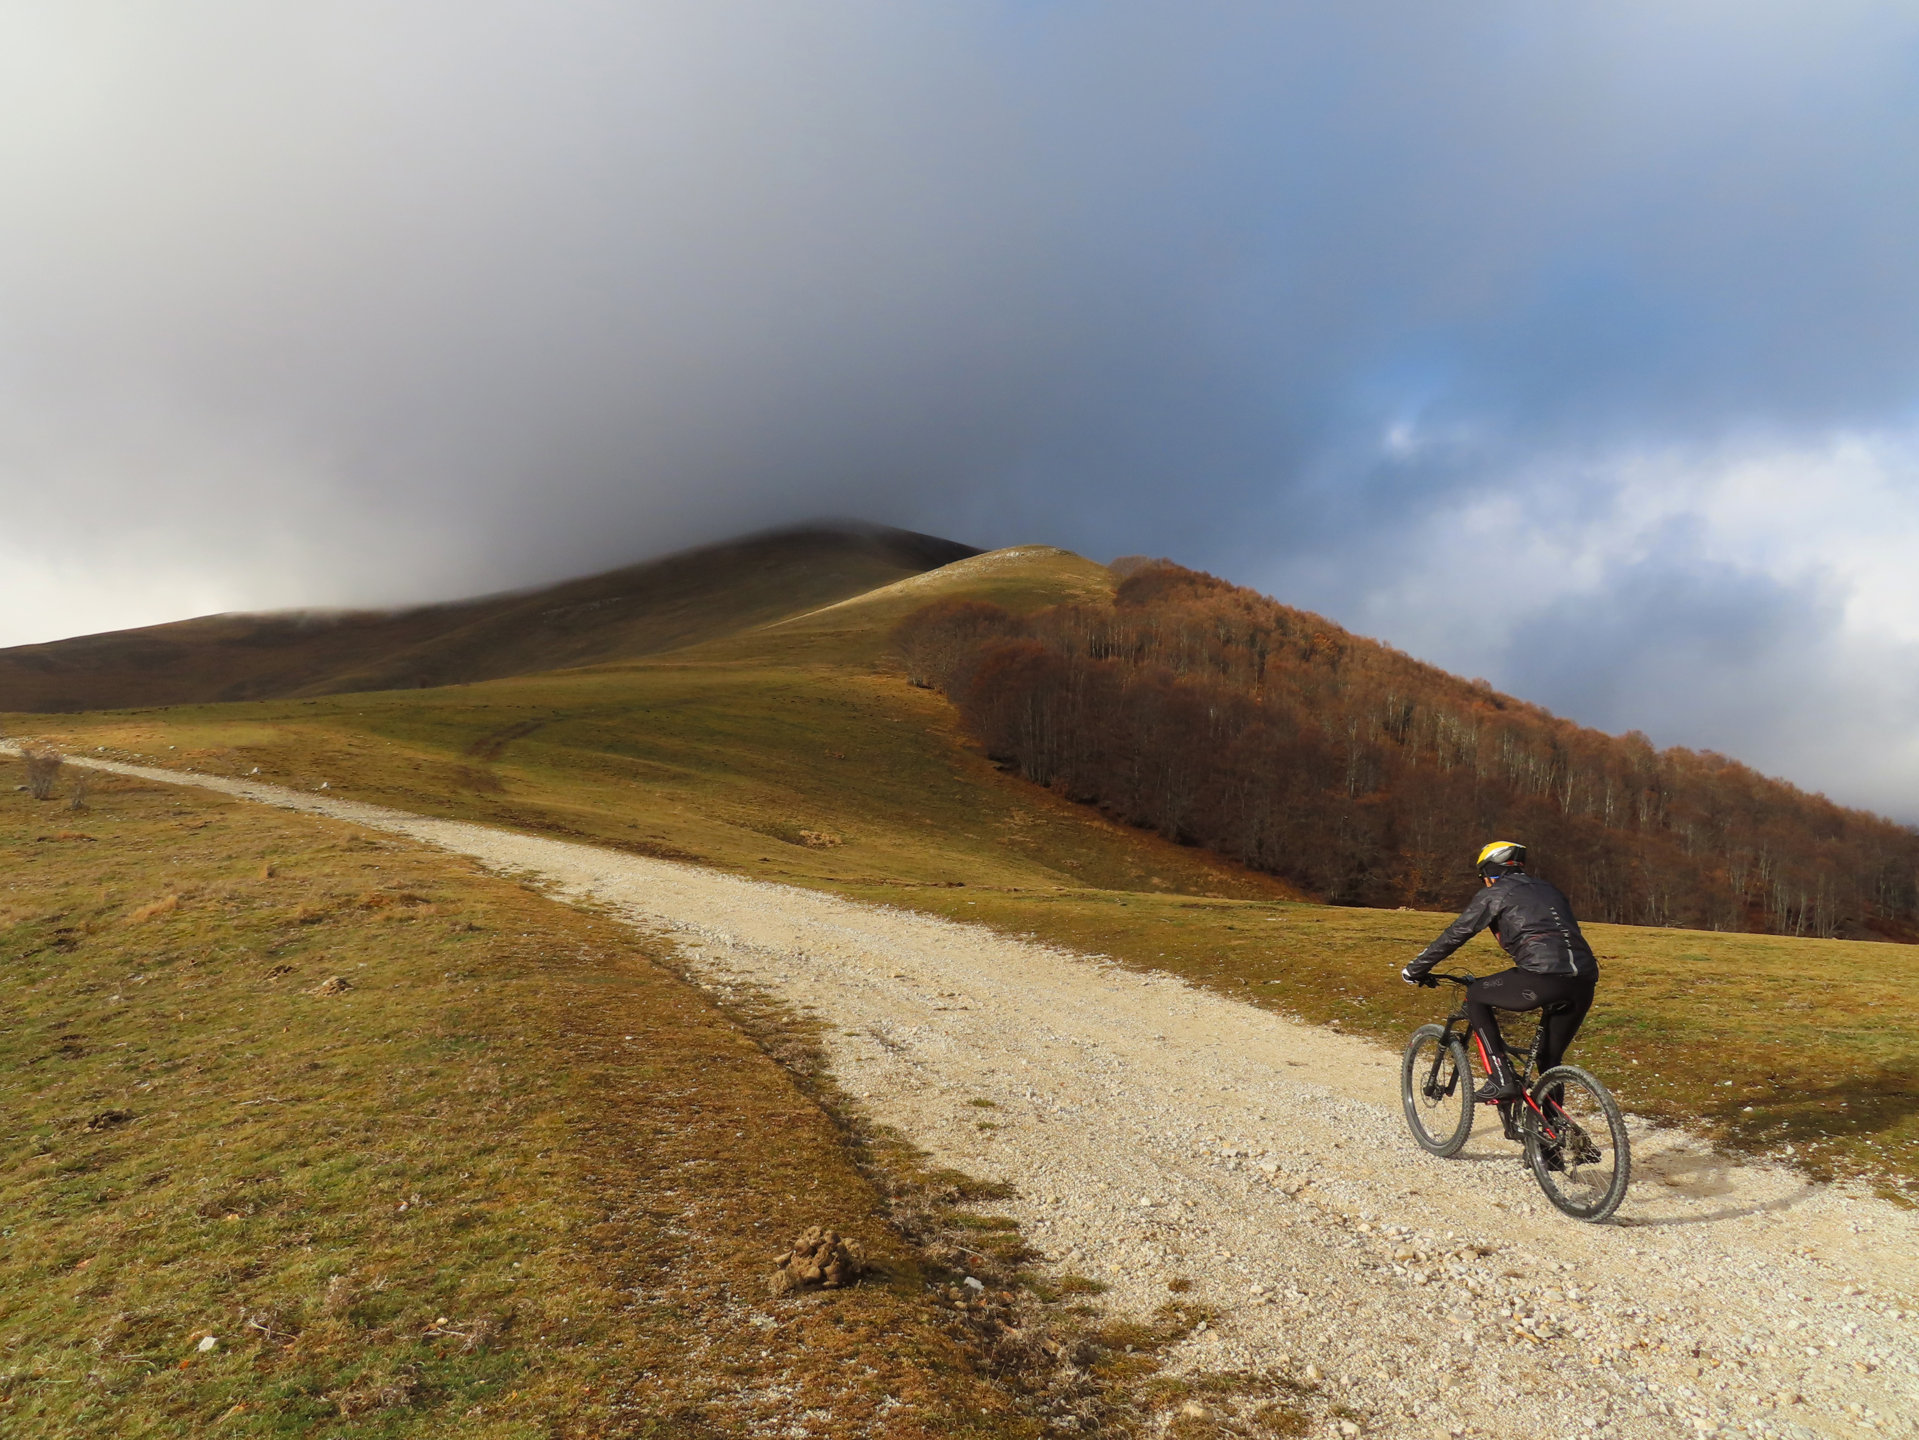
43	768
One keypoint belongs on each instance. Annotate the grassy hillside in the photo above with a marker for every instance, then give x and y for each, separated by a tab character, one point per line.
1215	715
310	1131
799	752
638	610
788	751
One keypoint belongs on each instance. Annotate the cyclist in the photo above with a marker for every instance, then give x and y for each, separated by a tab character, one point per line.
1553	964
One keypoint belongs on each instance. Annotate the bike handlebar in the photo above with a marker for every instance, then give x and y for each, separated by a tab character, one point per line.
1456	979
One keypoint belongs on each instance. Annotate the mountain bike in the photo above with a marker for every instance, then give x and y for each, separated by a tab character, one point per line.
1568	1122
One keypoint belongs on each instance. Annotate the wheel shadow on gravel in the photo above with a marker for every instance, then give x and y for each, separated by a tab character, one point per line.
1684	1175
1489	1147
1702	1178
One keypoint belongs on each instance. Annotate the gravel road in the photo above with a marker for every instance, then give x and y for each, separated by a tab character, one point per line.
1156	1131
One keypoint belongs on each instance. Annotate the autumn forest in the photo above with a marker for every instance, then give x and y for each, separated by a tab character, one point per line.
1220	718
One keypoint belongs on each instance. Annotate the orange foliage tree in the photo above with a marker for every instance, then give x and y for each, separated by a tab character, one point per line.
1218	717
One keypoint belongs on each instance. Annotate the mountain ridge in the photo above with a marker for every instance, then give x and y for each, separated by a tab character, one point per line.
646	608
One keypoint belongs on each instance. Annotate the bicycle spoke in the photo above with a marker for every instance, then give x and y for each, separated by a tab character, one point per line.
1577	1144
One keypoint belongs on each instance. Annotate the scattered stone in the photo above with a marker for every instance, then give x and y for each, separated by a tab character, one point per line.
109	1120
820	1259
209	1343
333	985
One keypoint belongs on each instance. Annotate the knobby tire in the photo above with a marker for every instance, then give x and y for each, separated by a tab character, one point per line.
1589	1143
1436	1088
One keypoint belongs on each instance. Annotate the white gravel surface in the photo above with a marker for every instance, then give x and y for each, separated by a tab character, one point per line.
1154	1131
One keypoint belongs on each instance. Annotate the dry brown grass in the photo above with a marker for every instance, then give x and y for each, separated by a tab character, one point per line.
725	754
165	905
425	1152
512	1177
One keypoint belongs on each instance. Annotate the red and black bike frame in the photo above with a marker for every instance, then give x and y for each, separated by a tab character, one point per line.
1507	1108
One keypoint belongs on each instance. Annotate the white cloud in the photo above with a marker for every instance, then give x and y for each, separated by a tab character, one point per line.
1760	599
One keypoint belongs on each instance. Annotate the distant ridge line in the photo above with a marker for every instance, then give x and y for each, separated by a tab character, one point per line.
679	599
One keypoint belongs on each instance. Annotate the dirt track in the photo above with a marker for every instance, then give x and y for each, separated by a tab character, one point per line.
1155	1131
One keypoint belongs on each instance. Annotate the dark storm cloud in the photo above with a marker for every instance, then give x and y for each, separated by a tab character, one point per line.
1660	640
364	302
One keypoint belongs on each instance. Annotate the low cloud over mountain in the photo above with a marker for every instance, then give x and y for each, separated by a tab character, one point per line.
1573	346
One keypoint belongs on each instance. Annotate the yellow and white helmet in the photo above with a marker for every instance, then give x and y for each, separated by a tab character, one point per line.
1501	857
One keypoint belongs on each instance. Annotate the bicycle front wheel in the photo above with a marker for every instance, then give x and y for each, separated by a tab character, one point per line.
1437	1090
1576	1144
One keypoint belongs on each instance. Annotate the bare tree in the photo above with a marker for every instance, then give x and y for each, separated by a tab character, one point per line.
934	640
1221	718
43	768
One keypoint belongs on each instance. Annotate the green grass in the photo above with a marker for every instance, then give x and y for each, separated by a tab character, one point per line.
797	752
511	1178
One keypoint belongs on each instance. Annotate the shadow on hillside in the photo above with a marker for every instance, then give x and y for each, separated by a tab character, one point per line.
1853	1105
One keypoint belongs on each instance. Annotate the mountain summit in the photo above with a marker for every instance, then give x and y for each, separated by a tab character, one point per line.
643	609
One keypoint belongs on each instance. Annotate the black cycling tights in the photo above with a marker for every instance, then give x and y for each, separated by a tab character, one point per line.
1522	990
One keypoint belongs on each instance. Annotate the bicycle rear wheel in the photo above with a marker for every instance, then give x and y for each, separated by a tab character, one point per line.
1578	1151
1437	1090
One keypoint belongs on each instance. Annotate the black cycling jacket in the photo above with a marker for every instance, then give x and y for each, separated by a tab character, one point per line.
1529	918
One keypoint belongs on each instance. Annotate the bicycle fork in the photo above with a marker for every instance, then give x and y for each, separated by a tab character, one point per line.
1434	1090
